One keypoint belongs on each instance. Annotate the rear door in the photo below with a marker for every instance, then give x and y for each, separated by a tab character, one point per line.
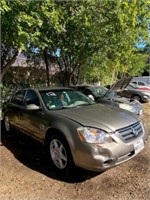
14	108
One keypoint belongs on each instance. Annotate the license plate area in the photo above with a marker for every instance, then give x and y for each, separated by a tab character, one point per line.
140	112
138	146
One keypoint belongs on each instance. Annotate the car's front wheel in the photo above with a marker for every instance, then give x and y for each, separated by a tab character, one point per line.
137	97
59	152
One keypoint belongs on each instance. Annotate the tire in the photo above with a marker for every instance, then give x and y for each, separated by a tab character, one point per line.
137	97
59	153
7	125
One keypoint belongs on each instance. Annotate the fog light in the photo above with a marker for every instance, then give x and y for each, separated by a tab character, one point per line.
109	162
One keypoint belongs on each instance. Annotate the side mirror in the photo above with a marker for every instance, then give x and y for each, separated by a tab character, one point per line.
91	97
32	107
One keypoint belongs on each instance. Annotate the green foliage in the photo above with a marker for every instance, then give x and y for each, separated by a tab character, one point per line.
128	23
21	24
96	39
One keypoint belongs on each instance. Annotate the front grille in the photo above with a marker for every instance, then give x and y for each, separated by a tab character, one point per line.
131	132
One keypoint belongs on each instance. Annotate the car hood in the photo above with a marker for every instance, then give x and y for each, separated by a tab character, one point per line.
125	100
100	116
121	84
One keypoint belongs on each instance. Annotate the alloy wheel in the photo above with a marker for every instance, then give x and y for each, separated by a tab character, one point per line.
58	154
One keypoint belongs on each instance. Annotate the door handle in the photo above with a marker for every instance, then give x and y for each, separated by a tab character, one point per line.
21	114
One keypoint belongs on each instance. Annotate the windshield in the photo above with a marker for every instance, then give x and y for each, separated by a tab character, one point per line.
100	91
60	99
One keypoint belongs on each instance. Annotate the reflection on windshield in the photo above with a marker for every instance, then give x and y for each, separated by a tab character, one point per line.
60	99
99	91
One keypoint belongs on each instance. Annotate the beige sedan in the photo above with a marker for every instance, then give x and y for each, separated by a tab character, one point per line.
75	130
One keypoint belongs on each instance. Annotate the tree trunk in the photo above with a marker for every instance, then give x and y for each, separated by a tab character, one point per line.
9	63
46	63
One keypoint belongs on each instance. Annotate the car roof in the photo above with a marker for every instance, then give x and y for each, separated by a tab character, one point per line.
85	86
46	88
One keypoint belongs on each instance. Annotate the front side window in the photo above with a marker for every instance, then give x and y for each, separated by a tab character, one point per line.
31	98
58	99
141	83
18	98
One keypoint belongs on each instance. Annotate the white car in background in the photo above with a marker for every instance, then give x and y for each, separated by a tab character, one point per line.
141	81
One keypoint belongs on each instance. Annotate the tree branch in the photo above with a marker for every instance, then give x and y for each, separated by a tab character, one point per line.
10	62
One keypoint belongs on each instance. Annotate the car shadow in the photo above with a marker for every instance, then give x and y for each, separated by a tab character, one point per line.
32	154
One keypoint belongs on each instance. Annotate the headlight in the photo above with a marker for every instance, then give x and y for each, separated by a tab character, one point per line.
92	135
126	107
146	96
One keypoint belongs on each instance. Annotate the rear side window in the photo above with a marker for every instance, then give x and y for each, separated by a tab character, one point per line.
141	83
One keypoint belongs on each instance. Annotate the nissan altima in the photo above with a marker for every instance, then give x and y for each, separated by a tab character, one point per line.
75	130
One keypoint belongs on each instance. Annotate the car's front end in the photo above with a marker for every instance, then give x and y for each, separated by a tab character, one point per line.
106	150
130	105
145	96
109	138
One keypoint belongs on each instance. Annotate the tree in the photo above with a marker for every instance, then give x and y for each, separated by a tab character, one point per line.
146	53
128	27
109	30
88	34
21	24
85	32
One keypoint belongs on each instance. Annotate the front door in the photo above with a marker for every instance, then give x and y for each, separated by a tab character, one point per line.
32	120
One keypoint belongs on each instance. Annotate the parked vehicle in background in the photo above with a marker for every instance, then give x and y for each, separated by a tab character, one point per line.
75	130
141	81
133	92
140	85
125	88
102	95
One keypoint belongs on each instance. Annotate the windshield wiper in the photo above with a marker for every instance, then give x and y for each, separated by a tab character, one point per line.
62	108
85	104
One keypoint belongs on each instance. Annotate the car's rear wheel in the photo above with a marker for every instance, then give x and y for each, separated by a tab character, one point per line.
59	152
137	97
7	125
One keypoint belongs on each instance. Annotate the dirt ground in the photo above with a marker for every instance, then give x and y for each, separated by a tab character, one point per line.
26	174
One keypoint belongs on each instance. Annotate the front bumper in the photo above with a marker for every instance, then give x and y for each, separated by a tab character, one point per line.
96	157
146	99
